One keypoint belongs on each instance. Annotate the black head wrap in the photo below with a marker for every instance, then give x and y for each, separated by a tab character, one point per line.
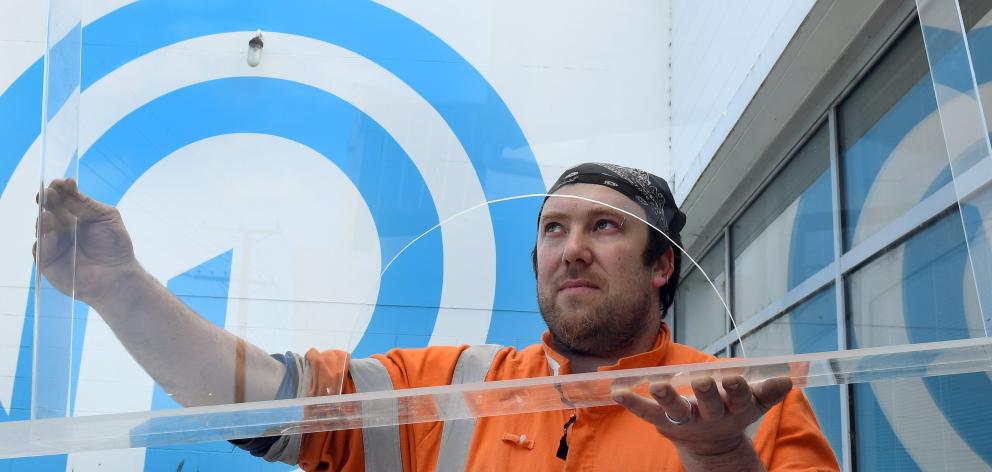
651	193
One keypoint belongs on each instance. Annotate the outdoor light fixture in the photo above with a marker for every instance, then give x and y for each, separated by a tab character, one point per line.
255	49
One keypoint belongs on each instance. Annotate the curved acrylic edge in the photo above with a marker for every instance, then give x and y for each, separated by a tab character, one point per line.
54	313
486	206
306	415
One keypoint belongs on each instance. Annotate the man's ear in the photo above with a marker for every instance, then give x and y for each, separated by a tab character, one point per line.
663	268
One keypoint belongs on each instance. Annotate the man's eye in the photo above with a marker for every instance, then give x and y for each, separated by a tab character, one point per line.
552	227
603	225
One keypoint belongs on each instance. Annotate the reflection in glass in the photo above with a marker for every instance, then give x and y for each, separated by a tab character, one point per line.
919	291
809	327
977	17
891	145
700	317
786	235
962	82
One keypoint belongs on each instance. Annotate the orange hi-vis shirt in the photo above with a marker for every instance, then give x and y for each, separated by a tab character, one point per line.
601	438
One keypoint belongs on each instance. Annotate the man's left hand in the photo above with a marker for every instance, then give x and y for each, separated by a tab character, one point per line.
713	424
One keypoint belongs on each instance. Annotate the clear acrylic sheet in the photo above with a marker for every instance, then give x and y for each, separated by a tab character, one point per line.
201	424
359	316
55	313
963	106
337	412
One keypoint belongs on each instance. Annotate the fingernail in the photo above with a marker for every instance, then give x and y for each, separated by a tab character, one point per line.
619	399
704	386
661	392
732	385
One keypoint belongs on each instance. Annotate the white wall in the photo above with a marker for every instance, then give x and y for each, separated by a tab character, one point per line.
587	80
721	54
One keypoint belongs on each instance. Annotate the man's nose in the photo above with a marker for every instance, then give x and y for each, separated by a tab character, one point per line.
576	249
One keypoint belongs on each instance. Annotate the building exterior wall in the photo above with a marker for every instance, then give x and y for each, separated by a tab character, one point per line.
857	239
270	199
721	53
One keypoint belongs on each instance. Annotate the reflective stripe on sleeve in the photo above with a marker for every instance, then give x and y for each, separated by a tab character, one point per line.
456	436
382	443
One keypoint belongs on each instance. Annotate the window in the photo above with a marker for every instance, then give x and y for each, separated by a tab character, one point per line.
920	291
977	16
909	282
891	142
809	327
786	235
700	318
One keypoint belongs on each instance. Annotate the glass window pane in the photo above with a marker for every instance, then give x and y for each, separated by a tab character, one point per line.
977	16
786	235
919	291
891	144
809	327
977	208
700	316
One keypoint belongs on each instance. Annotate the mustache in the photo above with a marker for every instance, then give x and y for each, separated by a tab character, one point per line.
575	272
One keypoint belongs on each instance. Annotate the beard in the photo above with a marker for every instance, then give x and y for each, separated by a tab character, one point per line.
597	327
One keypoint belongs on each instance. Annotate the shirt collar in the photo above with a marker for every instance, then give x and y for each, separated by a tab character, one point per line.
558	364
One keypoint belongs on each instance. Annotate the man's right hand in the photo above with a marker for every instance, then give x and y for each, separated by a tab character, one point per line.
198	363
103	254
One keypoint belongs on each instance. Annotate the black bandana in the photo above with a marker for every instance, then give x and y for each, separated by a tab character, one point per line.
647	190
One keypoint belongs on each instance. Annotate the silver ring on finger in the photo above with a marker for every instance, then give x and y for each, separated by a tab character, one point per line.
687	418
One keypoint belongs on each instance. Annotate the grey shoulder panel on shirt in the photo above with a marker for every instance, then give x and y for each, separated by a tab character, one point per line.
456	437
382	443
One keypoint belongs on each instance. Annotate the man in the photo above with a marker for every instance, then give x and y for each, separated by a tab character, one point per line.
604	280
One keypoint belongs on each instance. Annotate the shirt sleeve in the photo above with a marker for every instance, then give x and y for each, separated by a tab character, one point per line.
282	448
407	368
327	374
793	440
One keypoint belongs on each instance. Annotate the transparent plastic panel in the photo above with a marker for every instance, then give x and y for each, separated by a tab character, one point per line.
964	121
345	412
55	317
426	403
315	177
778	242
268	197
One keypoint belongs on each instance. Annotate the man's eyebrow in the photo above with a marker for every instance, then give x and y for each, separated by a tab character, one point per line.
607	211
552	215
599	211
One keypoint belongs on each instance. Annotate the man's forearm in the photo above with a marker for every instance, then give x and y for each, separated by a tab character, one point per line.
742	458
195	361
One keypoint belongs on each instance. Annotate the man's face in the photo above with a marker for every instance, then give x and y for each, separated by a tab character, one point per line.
594	290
